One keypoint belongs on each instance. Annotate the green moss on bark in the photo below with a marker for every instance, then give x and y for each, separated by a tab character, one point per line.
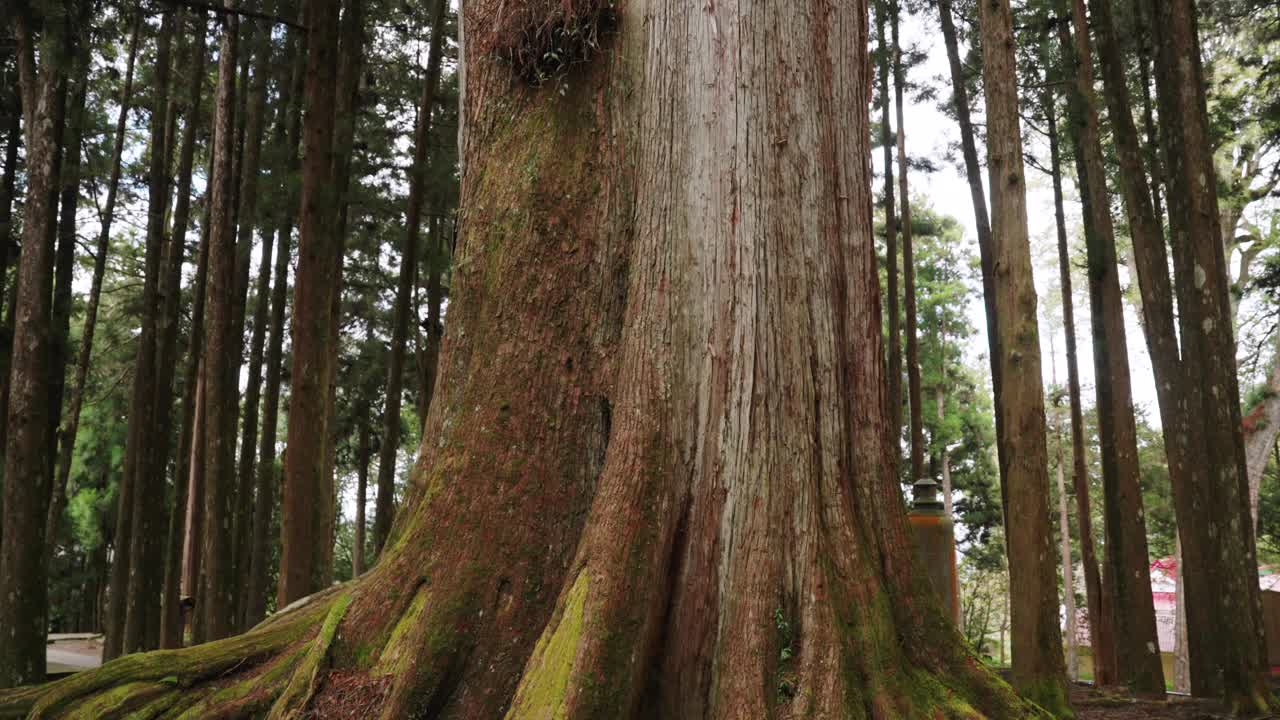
541	693
305	675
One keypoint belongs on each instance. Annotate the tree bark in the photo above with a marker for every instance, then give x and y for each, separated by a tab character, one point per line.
76	401
363	453
914	399
1068	579
217	603
574	568
302	510
143	466
429	356
1224	614
890	227
1126	580
981	220
170	609
64	264
1100	631
23	604
1039	672
948	500
350	61
287	138
258	42
8	183
1261	428
384	511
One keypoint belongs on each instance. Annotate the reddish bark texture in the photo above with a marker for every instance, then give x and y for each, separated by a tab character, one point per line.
1038	662
659	477
304	503
1127	576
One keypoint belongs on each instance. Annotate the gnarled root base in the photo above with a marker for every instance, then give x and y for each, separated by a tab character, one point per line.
276	670
657	481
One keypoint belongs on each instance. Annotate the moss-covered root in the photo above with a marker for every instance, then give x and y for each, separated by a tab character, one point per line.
1049	695
543	690
139	678
302	685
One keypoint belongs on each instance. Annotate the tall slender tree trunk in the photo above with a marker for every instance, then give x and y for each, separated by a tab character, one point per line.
914	399
258	42
1195	362
1068	580
363	452
249	438
170	603
146	535
350	61
429	356
302	510
1224	614
981	221
1261	429
23	604
1038	672
193	531
948	499
287	138
883	10
75	403
1100	631
64	266
1127	574
8	183
1064	519
217	603
385	508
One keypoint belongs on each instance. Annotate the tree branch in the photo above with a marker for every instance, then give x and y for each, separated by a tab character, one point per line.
221	10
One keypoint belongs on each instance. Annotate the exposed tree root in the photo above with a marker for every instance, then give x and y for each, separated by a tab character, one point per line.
169	683
653	486
302	683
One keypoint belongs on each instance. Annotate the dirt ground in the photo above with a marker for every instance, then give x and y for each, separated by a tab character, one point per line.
1114	704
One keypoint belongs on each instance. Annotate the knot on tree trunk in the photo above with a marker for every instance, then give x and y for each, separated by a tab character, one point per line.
542	39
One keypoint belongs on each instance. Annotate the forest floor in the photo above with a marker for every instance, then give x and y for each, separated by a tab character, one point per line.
1115	704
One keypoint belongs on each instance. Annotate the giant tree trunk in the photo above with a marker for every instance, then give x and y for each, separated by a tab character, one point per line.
661	480
385	508
23	603
1126	580
1224	614
1100	631
1038	669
